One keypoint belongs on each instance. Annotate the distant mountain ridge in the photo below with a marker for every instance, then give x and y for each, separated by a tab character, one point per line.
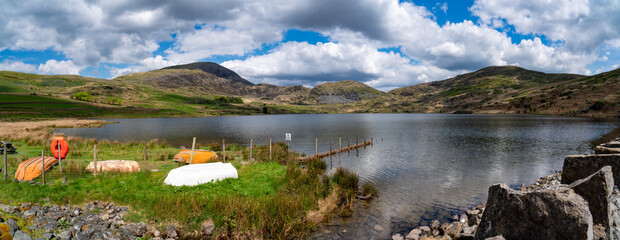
496	89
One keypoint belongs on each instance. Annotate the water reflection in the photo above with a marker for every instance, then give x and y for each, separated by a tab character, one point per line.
424	165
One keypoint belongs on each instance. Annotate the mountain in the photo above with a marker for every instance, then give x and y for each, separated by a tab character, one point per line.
510	89
346	91
214	69
200	89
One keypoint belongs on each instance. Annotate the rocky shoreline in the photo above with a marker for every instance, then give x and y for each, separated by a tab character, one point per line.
583	205
96	220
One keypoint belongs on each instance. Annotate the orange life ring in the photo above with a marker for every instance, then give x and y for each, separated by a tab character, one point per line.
64	147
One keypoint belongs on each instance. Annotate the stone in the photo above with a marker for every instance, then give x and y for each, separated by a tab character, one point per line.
453	229
398	237
30	213
13	225
171	231
137	229
465	236
434	224
500	237
19	235
414	234
464	218
425	229
581	166
596	189
207	227
378	228
614	218
104	217
64	235
557	213
436	232
48	236
156	233
8	209
473	220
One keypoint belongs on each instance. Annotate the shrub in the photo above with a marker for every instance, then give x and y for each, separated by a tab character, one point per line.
114	101
346	179
82	96
598	105
369	190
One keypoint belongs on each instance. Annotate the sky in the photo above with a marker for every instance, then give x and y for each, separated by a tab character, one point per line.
385	44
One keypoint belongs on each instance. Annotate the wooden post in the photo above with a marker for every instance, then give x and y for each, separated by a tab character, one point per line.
95	159
6	174
59	159
191	158
316	146
357	141
330	145
270	156
224	150
251	146
143	158
339	144
43	166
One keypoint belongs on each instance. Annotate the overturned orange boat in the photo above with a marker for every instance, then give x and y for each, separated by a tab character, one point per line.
31	168
200	156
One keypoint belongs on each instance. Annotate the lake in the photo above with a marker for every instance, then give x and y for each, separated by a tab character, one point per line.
425	166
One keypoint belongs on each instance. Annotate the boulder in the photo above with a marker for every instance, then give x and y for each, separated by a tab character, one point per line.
207	227
557	213
614	211
581	166
19	235
596	189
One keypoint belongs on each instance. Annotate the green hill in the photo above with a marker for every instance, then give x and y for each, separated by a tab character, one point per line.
202	89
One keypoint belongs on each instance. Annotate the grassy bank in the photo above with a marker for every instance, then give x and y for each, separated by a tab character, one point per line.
272	198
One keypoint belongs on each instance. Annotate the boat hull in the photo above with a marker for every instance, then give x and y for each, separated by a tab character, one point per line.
200	156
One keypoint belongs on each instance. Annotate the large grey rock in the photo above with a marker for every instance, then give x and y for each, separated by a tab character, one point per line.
19	235
557	213
596	189
614	218
581	166
606	150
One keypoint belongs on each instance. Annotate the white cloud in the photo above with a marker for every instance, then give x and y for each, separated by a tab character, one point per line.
49	67
583	25
16	66
127	32
307	64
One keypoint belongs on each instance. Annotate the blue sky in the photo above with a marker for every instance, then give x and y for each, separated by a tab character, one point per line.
385	44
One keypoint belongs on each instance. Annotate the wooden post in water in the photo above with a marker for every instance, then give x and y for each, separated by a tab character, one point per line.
340	144
330	145
6	174
191	158
224	150
270	156
95	159
43	166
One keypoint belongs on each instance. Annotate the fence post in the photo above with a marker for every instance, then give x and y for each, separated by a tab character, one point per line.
251	146
270	156
330	145
144	158
6	174
95	159
316	146
43	166
340	144
59	158
224	150
191	158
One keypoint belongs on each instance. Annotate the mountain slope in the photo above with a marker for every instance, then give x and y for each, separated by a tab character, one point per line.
346	91
511	90
215	69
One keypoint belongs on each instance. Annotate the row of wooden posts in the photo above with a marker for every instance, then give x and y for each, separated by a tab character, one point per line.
316	148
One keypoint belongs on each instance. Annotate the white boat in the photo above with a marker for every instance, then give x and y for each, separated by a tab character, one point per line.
196	174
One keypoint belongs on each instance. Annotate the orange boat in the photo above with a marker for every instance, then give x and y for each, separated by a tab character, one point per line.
31	168
200	156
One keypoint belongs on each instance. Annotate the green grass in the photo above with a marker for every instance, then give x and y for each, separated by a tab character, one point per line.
16	107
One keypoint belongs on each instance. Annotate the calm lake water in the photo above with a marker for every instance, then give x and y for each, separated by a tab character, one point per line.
424	165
